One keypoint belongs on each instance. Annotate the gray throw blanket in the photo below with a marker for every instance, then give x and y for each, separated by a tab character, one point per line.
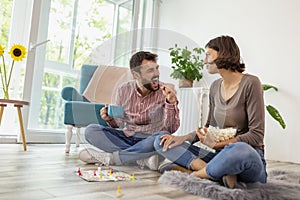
281	185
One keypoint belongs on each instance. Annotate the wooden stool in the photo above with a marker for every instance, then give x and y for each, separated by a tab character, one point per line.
18	104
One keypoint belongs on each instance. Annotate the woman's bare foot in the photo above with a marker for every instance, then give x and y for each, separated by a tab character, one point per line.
201	173
229	181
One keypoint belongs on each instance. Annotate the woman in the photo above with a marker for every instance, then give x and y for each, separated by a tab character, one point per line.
235	100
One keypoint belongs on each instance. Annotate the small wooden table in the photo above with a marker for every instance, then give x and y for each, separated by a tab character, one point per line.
18	104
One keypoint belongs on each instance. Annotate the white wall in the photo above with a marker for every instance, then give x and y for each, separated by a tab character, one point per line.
268	34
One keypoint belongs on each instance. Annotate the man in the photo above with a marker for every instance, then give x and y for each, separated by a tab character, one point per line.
149	107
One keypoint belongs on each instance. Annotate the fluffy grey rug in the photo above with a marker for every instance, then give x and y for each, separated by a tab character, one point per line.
281	185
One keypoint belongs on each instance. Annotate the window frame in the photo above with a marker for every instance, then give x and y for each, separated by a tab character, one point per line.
34	12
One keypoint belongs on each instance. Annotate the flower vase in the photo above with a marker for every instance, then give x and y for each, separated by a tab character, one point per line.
17	53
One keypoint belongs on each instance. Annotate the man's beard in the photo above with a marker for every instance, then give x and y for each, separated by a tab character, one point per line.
148	84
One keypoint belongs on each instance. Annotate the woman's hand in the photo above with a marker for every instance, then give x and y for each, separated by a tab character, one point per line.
206	138
201	133
170	141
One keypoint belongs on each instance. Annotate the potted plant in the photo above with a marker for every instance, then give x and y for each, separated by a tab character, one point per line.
187	65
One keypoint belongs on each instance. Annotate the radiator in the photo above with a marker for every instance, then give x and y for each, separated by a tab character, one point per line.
193	108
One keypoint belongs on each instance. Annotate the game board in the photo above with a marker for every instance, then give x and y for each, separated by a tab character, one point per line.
103	175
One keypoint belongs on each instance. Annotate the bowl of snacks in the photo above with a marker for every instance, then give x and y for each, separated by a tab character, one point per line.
221	134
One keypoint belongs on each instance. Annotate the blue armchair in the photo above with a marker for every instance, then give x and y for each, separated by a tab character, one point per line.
78	110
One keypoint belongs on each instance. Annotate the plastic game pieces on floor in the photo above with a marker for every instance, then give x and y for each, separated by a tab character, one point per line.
102	175
119	194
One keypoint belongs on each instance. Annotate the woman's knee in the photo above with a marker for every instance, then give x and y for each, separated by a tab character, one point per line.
242	150
238	146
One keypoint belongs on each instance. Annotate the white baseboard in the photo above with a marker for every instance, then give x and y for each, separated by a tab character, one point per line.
52	136
8	139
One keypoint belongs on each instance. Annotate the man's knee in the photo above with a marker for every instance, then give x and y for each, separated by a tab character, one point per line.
157	141
92	130
161	133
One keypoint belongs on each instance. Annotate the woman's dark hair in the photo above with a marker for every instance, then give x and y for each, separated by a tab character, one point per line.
228	53
137	59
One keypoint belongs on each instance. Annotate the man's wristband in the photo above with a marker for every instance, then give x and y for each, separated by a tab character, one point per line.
175	102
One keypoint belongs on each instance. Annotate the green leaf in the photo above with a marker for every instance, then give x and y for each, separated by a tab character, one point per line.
188	63
267	87
276	115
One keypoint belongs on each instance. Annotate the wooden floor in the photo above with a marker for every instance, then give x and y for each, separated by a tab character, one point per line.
45	172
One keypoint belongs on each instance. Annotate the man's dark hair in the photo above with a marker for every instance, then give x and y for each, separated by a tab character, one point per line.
137	59
228	53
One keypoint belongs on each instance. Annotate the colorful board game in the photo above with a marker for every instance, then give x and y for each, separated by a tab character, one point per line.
102	175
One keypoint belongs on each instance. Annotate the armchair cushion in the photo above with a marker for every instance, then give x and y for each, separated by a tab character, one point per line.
104	83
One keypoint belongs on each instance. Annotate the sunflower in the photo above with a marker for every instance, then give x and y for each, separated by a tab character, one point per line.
1	50
17	52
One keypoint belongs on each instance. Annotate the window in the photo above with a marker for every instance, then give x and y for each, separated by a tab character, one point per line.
123	36
5	16
5	25
74	28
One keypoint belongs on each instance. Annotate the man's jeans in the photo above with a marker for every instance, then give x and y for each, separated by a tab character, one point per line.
236	158
125	149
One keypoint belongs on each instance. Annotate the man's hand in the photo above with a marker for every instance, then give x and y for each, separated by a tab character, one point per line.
170	141
169	93
103	113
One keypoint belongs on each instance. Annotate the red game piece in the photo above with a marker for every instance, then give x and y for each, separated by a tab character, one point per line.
79	172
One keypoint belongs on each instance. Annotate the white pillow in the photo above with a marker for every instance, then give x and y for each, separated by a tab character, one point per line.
104	82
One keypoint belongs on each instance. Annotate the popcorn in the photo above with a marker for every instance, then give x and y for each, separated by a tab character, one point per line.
222	134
